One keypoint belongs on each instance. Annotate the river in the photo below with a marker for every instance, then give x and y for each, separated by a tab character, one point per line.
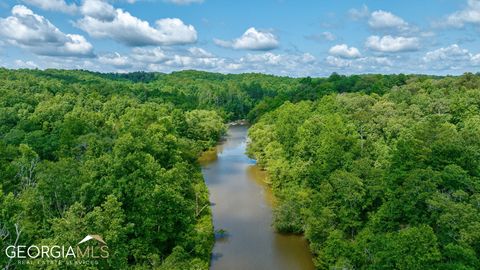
242	206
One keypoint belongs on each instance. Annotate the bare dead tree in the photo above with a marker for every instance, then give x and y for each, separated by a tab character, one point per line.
27	173
198	210
18	232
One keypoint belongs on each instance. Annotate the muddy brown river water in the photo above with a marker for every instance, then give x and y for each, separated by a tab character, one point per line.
242	207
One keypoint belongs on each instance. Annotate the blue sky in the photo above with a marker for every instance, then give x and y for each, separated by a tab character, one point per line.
284	37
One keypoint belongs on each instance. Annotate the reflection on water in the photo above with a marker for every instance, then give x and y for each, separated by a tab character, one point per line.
241	205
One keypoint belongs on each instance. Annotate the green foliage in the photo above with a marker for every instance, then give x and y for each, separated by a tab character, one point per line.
205	126
378	171
389	177
84	153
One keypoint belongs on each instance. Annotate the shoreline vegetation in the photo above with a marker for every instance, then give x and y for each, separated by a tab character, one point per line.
378	171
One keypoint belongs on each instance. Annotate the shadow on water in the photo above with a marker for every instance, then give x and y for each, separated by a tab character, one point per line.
242	213
216	256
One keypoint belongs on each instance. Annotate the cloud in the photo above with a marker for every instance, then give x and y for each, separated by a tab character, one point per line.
184	2
392	44
265	58
476	59
338	62
157	59
192	58
284	64
150	55
36	34
452	52
170	59
328	36
385	20
252	39
278	59
364	64
357	14
199	52
76	45
25	64
343	51
451	57
53	5
193	62
199	58
469	15
117	60
121	26
98	9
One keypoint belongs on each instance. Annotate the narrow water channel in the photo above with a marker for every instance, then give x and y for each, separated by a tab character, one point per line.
242	206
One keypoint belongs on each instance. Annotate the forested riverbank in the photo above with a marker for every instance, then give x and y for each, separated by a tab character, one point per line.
380	181
116	155
81	154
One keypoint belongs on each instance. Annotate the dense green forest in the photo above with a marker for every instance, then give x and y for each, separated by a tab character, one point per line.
380	180
81	153
116	154
378	171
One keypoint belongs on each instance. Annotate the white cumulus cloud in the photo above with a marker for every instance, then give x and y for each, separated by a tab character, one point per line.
252	39
102	21
35	33
342	50
392	44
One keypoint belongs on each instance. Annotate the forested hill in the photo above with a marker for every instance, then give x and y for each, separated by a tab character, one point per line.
374	181
234	96
115	154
